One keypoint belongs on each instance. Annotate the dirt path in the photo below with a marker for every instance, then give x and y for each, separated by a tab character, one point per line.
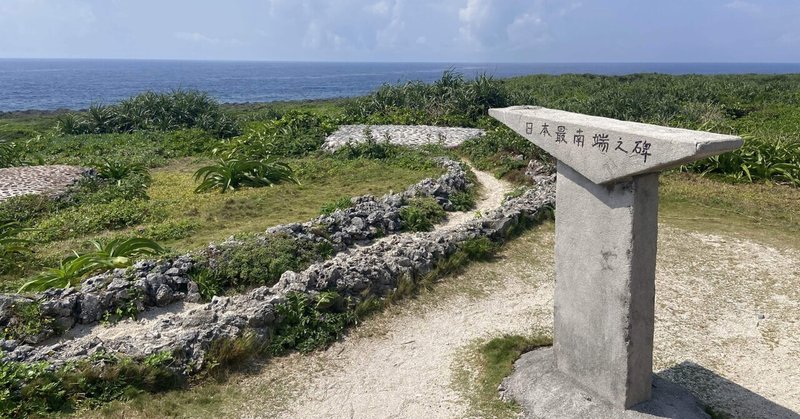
493	191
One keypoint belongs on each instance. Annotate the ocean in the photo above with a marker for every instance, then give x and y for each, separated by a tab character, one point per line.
47	84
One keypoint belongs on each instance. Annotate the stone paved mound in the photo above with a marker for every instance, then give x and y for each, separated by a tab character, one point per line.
407	135
50	180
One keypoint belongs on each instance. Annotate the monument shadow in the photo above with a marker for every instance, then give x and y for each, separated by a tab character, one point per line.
729	400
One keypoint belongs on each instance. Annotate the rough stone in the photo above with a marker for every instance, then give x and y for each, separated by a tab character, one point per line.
605	283
544	391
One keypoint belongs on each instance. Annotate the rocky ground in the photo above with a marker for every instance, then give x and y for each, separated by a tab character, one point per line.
50	180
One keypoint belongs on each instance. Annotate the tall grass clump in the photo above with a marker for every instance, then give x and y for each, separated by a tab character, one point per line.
151	111
451	100
775	160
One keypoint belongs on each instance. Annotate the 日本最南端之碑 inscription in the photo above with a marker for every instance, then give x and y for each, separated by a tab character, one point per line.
607	212
606	150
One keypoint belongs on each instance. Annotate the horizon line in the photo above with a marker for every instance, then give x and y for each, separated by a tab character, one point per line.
388	62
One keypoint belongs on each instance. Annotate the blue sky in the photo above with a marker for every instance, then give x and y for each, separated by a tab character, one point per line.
405	30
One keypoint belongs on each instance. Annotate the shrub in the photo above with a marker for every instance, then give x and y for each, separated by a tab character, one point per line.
463	201
757	160
502	151
451	100
340	203
11	245
421	214
24	208
26	321
307	324
208	285
118	170
261	261
9	154
233	173
294	134
34	389
179	109
479	248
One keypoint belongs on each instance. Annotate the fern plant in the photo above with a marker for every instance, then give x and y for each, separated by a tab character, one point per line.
233	173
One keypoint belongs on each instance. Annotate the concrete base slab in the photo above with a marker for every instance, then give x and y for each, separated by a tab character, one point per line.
545	392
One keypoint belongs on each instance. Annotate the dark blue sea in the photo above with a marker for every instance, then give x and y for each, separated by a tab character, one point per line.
75	84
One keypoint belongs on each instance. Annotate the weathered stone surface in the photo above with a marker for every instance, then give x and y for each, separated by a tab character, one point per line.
47	180
611	150
605	283
544	391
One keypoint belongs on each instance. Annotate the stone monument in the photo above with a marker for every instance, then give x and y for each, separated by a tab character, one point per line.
606	229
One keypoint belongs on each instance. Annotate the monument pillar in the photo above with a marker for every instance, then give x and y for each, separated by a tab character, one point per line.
605	251
605	286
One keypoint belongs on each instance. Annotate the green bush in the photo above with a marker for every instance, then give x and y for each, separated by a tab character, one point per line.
503	152
463	201
93	218
451	100
25	208
11	245
294	134
258	261
26	321
307	324
421	214
179	109
117	253
233	173
41	389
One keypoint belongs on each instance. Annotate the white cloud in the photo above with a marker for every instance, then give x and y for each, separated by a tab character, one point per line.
744	6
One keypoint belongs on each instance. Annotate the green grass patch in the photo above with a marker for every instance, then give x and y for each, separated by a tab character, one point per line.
764	212
484	366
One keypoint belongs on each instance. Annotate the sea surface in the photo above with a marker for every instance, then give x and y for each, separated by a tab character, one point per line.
48	84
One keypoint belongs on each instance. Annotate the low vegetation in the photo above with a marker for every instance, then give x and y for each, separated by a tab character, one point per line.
232	173
257	261
421	214
151	111
114	254
492	361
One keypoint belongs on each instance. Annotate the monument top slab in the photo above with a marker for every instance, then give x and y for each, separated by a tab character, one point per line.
606	150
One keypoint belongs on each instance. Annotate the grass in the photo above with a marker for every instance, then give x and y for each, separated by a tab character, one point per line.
764	212
483	367
322	180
